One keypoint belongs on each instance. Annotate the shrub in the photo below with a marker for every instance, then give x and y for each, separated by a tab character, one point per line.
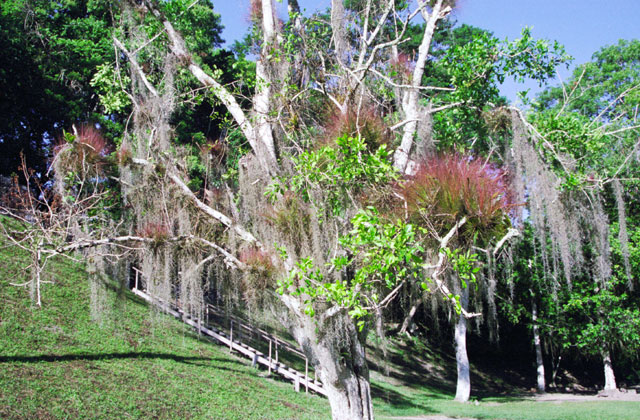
159	232
85	152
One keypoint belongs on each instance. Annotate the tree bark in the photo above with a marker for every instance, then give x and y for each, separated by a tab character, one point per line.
537	342
347	385
408	320
339	30
463	386
410	105
609	376
333	344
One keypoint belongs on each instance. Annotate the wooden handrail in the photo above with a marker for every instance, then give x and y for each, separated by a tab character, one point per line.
235	344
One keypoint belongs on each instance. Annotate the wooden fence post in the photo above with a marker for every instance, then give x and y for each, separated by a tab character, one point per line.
269	356
306	374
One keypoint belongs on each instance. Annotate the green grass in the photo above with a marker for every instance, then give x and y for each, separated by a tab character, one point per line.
401	401
57	363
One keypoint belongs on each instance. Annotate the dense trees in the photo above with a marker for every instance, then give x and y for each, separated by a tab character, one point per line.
591	125
51	51
364	155
589	135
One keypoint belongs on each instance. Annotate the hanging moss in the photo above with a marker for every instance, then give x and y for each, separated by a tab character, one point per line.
623	236
549	213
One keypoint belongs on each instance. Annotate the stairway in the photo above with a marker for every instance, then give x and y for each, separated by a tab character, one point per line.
217	334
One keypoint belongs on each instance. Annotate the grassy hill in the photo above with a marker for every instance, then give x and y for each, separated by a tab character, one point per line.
57	363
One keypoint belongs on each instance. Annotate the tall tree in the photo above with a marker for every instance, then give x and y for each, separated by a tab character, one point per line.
310	189
587	133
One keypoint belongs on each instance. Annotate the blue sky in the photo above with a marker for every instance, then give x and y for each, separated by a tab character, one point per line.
582	26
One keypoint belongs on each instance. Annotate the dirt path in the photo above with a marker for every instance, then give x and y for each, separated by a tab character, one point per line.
609	396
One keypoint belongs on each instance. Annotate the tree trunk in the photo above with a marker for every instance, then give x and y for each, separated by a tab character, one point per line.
541	385
410	100
609	377
348	389
332	343
408	320
463	387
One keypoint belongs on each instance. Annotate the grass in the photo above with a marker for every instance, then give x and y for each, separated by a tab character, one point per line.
55	362
421	382
58	363
397	401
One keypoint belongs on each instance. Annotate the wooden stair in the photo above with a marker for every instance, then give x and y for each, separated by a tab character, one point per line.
215	334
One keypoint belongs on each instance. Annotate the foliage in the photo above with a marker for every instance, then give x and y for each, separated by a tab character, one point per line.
332	194
605	87
58	363
86	152
110	87
476	63
447	187
464	264
364	123
601	317
340	171
382	253
488	62
588	137
51	51
590	122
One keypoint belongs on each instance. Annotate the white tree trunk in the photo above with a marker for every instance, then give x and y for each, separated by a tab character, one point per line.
333	346
265	146
463	386
37	266
609	377
537	342
410	105
408	320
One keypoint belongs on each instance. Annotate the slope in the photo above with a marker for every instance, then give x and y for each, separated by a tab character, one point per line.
56	362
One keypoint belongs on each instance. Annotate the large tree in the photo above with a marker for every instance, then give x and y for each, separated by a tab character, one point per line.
582	172
325	147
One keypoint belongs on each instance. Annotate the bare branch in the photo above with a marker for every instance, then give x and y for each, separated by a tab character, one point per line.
410	99
511	233
438	269
216	215
179	48
136	67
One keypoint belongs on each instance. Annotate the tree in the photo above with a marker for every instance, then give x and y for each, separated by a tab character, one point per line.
51	53
315	236
469	197
577	127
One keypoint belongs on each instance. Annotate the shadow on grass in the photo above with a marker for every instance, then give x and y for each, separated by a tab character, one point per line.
398	401
415	374
192	360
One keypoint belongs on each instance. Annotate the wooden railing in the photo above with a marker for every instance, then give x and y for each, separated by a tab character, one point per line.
233	334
